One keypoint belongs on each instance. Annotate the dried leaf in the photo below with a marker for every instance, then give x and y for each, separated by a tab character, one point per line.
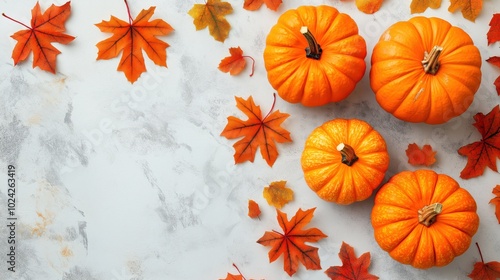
494	32
417	156
497	85
235	63
496	201
470	8
495	60
277	194
45	29
485	152
485	271
257	132
352	268
369	6
291	243
253	209
212	14
419	6
253	5
131	38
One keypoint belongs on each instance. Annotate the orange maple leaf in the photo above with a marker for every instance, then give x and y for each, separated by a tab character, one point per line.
496	201
212	14
235	276
485	271
419	6
417	156
253	209
291	243
485	152
277	194
470	8
131	38
253	5
257	132
495	60
235	63
352	268
45	29
494	32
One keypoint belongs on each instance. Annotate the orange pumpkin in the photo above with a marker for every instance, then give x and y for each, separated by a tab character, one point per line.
344	160
423	218
425	70
314	55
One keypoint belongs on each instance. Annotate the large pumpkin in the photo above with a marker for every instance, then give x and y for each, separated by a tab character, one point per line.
344	160
423	218
425	70
314	55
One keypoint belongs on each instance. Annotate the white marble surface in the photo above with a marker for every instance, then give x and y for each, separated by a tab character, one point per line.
121	181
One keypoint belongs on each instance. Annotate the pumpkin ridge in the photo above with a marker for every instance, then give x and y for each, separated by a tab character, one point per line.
405	92
336	67
458	78
446	92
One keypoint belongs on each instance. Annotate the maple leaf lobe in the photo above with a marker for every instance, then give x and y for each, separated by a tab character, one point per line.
470	8
493	34
352	268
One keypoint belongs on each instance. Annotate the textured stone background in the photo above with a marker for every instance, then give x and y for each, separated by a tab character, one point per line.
120	181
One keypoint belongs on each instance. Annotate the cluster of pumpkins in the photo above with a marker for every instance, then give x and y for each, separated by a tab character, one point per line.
422	70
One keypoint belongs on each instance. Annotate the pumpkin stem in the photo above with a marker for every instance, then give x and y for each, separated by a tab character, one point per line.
430	62
314	50
348	155
427	215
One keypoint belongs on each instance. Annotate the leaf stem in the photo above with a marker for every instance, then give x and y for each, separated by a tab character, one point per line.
272	107
253	64
480	254
128	12
3	14
239	272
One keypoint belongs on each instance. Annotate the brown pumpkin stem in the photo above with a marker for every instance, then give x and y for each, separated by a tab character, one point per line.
348	155
430	62
314	50
428	214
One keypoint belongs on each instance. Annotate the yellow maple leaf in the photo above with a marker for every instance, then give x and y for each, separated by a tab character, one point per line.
277	194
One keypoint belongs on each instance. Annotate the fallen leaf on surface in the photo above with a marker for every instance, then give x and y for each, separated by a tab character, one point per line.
212	14
253	5
257	132
277	194
484	153
417	156
352	268
419	6
253	209
131	38
235	63
369	6
495	60
496	201
46	28
291	243
485	271
470	8
494	32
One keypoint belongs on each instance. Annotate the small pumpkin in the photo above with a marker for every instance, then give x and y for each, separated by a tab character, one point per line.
314	55
344	160
424	219
425	70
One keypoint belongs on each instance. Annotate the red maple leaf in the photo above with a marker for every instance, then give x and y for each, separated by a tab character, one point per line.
485	271
486	151
494	32
45	29
235	63
496	201
257	132
495	60
352	268
291	243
